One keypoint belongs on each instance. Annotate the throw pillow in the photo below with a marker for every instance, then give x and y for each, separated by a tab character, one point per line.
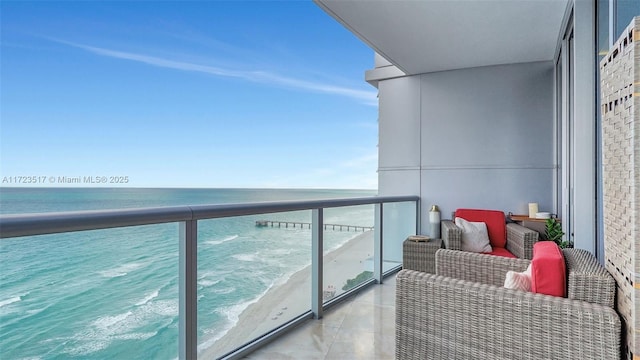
519	281
474	236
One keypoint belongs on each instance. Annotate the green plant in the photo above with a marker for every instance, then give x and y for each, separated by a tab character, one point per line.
553	231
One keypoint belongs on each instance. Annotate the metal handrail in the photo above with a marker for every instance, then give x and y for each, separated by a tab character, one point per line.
19	225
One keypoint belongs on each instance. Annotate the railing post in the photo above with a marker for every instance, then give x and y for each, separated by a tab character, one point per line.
317	233
188	290
377	244
418	224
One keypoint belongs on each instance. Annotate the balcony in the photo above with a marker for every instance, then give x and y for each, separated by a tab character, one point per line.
316	289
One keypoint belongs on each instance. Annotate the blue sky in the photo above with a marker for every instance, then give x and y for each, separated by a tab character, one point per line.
185	94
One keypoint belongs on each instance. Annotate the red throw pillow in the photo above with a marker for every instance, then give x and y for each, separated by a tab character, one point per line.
548	269
496	224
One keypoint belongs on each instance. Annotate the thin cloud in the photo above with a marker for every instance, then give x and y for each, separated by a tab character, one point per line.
366	97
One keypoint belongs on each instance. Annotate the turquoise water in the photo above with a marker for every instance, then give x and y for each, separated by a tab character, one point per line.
114	293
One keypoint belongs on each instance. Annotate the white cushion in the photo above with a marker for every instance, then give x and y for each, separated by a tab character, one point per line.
474	236
519	281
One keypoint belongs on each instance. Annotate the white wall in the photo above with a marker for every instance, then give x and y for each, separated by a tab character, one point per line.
478	138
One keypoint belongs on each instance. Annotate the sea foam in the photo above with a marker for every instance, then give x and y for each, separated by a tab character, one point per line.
246	257
207	283
232	313
130	325
121	270
12	300
148	298
218	242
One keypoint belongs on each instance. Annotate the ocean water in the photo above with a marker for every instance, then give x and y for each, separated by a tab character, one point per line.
113	293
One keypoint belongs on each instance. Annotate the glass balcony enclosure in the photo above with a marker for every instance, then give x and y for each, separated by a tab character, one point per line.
292	254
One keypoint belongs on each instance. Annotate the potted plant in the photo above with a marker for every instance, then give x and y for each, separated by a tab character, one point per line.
553	231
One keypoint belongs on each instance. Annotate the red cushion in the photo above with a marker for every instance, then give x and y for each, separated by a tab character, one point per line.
502	252
548	270
496	224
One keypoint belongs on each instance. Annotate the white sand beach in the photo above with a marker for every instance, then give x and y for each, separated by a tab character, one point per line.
284	302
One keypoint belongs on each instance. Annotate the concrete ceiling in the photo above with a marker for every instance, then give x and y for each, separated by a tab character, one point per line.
436	35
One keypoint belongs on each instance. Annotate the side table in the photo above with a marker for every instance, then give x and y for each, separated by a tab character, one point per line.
420	256
532	223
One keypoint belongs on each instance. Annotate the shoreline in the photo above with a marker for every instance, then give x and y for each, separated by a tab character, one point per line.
291	298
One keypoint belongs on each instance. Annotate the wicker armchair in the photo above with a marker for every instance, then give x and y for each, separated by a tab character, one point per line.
520	239
463	312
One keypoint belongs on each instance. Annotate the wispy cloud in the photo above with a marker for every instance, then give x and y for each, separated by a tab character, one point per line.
264	77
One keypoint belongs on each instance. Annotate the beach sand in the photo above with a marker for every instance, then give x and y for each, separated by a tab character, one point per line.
284	302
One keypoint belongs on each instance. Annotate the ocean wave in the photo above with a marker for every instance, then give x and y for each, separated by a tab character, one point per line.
165	308
224	291
12	300
209	342
87	347
36	311
121	270
148	298
246	257
218	242
216	274
207	283
109	321
92	343
19	314
281	251
129	325
136	336
232	313
211	278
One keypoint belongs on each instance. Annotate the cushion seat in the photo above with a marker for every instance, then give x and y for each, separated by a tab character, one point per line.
501	252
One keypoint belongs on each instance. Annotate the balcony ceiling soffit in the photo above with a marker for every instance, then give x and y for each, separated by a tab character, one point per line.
437	35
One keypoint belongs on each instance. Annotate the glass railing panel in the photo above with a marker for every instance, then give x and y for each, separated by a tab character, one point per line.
114	293
253	276
348	249
399	223
100	294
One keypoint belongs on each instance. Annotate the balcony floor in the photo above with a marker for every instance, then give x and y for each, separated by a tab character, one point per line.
362	327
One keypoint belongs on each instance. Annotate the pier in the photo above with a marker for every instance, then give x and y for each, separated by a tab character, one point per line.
305	225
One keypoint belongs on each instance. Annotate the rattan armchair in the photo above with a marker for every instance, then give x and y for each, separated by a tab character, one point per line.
463	312
520	239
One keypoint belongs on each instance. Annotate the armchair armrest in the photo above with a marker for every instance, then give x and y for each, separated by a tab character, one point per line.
588	280
520	241
482	268
440	317
451	235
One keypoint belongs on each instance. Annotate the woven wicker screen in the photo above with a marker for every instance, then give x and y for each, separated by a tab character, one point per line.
620	87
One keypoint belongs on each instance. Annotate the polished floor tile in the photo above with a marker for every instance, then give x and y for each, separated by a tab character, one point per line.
362	327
